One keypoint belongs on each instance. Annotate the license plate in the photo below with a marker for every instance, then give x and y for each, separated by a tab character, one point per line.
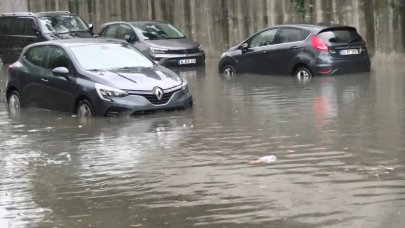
349	52
187	61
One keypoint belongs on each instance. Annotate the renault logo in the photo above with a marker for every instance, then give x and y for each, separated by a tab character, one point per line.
159	93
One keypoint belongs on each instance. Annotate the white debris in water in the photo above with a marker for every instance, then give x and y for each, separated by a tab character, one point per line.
265	159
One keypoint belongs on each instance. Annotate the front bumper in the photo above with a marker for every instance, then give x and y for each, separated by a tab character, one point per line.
173	60
134	104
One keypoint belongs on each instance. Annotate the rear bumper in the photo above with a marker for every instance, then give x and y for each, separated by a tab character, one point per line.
338	67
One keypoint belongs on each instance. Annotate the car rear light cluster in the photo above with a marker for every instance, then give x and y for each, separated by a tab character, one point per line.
318	44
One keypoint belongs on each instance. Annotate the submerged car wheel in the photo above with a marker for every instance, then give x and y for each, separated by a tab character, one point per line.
85	109
228	70
303	74
14	103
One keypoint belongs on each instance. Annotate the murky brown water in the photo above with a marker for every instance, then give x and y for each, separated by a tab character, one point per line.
339	143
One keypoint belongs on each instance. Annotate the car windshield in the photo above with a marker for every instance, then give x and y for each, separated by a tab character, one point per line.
158	31
62	24
109	56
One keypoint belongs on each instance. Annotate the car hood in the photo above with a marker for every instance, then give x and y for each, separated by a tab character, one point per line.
174	43
139	79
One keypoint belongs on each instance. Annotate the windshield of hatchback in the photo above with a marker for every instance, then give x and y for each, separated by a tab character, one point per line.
63	24
340	36
158	31
109	56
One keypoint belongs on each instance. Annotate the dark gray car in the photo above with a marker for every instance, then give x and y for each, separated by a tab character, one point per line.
159	40
303	50
93	77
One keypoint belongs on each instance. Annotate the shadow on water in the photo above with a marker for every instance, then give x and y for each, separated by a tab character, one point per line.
338	142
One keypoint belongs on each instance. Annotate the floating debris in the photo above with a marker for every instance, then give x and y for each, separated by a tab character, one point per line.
265	159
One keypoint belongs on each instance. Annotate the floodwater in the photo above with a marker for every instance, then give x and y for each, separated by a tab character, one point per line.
339	143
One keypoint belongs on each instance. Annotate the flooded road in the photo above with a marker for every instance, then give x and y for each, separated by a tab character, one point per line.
339	143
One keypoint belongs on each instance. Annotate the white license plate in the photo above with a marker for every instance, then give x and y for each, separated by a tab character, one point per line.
349	52
187	61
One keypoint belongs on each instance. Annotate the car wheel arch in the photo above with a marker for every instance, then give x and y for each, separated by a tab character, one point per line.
227	61
80	98
299	65
10	89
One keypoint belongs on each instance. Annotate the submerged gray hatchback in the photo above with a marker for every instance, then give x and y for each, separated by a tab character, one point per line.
93	77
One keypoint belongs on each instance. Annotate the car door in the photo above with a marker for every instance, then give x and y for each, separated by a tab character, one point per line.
30	75
253	57
58	90
288	44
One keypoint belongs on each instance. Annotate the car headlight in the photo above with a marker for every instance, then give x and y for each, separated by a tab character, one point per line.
155	50
107	92
201	48
184	86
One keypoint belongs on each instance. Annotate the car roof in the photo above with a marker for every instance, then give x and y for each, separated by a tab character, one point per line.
49	13
79	42
132	22
316	28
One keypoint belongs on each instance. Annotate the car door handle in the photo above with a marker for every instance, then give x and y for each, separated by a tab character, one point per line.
264	52
44	80
293	48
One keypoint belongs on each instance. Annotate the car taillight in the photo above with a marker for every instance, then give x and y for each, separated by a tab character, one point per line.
10	67
318	44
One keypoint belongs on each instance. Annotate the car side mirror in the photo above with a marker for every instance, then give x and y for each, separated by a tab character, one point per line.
128	38
60	71
244	46
91	27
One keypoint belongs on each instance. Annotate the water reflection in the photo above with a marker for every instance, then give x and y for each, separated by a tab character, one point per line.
338	141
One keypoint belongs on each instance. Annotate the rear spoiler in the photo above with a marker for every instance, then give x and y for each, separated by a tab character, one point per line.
340	27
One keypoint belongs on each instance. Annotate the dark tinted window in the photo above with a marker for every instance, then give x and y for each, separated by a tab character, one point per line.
340	36
19	26
287	35
264	38
57	58
36	55
5	25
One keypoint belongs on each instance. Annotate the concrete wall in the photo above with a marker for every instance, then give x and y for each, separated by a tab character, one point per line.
220	24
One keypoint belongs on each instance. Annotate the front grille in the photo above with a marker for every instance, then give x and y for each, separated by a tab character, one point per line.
184	51
153	99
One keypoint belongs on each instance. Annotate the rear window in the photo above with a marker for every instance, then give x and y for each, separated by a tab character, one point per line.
17	26
340	36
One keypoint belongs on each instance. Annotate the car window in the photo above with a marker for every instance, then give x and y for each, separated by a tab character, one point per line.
29	28
62	24
288	35
158	31
264	38
36	55
5	25
110	31
125	30
340	36
57	58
